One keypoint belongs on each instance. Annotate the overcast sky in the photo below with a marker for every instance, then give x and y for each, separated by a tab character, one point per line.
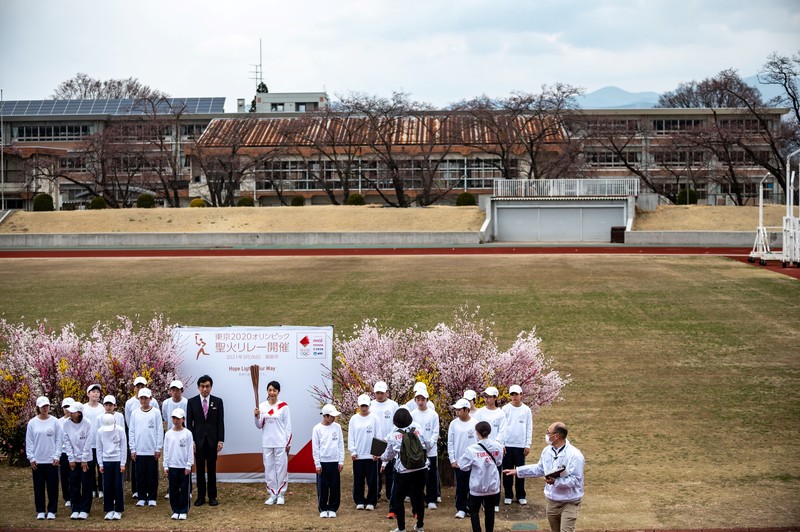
439	51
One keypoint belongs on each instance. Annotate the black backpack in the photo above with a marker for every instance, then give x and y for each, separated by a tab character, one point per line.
412	453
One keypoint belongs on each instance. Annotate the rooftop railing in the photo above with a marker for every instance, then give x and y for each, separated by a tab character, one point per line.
555	188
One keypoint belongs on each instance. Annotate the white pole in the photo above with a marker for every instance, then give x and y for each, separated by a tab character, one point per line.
2	156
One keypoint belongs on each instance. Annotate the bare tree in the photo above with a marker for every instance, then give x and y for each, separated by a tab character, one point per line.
437	132
226	156
83	86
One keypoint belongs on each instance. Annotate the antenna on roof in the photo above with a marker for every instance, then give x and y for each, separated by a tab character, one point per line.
258	73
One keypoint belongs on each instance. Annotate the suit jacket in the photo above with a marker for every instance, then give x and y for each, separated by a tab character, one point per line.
211	428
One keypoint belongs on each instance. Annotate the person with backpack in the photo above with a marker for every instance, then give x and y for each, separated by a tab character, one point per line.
406	445
482	460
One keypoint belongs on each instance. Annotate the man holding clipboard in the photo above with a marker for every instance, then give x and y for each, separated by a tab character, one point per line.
561	465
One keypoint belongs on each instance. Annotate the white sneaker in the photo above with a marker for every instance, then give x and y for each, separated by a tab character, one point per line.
523	502
418	529
323	514
331	514
370	507
432	506
359	506
398	530
271	500
281	500
135	495
506	501
141	503
74	515
109	516
100	494
94	494
40	515
68	504
166	495
460	515
438	499
175	516
496	509
117	516
151	503
83	515
182	517
51	515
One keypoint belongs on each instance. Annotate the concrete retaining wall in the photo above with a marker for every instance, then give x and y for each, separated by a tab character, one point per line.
216	240
742	239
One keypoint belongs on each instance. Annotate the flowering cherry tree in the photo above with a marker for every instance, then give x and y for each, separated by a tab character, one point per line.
450	358
63	363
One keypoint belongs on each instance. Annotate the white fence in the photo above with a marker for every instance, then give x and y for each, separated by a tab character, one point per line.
548	188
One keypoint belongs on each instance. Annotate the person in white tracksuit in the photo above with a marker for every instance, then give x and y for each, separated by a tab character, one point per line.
43	443
112	450
272	417
482	459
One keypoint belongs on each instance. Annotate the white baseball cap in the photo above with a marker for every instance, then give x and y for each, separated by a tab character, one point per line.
515	388
67	401
41	401
76	406
423	393
380	386
492	391
139	380
176	384
110	399
107	422
179	413
470	395
145	392
92	387
364	399
461	403
330	410
420	386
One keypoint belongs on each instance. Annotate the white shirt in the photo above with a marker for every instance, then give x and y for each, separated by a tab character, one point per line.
327	444
92	414
111	445
412	405
428	421
134	404
569	486
360	432
169	406
460	435
146	432
77	441
275	424
385	413
43	440
519	426
497	419
178	451
484	478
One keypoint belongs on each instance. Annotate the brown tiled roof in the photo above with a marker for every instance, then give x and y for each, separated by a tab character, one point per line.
426	130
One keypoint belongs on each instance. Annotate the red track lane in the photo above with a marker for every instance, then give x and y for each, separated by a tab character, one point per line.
739	254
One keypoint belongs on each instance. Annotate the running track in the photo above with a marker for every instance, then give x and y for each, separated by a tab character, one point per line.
739	254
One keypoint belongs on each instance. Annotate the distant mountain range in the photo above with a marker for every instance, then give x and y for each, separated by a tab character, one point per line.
616	98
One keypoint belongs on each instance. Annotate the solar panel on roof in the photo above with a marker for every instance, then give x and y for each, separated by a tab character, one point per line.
121	107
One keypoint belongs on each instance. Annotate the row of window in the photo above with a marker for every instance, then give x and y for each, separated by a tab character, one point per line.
681	158
65	132
669	126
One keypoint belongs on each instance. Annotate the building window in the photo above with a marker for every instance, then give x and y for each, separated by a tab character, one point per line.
666	127
50	132
276	107
683	158
610	159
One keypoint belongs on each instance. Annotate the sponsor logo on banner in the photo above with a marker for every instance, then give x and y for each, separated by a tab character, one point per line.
310	345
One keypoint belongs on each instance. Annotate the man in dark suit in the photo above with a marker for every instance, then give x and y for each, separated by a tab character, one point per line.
205	417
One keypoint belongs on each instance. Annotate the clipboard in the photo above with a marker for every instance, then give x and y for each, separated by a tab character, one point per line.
378	447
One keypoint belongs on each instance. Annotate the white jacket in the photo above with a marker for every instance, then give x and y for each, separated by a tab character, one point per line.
569	486
327	444
178	450
497	419
275	424
484	478
385	413
394	442
111	445
429	423
146	432
460	435
519	426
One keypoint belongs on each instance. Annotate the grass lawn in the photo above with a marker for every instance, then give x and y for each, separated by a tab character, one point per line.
685	397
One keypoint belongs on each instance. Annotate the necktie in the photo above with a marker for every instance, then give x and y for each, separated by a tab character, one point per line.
205	408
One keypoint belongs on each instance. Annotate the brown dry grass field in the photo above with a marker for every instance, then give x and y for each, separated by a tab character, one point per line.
338	218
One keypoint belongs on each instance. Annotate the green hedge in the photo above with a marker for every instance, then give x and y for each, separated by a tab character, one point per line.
145	201
198	202
246	201
298	201
97	203
356	199
465	199
43	202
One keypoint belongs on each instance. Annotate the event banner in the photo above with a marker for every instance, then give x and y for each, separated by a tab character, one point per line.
296	357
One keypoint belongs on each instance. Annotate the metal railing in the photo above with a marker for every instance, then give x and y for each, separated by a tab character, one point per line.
549	188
